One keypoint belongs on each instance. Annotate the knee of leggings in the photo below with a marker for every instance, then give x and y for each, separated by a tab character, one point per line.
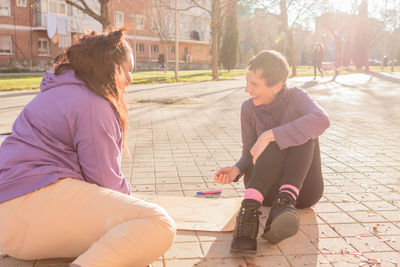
309	202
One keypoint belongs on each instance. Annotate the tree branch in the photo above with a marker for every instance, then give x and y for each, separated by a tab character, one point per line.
86	9
196	3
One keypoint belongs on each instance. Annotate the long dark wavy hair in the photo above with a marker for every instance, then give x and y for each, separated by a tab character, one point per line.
102	61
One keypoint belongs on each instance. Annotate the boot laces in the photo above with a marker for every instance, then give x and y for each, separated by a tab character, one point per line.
284	202
248	223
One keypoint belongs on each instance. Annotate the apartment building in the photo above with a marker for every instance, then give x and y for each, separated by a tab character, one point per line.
34	32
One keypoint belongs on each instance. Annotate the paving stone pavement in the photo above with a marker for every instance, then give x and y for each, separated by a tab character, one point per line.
179	134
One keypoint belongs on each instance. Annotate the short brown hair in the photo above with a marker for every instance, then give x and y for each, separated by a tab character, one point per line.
273	64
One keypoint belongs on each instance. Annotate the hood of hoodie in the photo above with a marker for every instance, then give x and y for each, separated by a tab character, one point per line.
50	80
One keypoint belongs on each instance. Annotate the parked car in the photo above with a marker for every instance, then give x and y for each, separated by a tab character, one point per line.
396	62
374	62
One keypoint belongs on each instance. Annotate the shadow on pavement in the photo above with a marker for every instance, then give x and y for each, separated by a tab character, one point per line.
385	77
313	83
299	250
6	95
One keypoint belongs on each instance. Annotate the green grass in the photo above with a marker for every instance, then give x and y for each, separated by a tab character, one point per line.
32	82
20	82
184	76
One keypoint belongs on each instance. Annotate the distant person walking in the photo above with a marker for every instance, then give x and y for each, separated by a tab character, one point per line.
318	55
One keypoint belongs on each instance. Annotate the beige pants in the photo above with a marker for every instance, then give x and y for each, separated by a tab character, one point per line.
71	218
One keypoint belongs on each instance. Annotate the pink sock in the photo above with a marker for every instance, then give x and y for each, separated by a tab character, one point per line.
252	193
289	189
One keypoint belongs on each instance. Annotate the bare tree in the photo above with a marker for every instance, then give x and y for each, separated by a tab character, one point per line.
264	29
217	10
162	23
84	6
291	13
173	5
388	18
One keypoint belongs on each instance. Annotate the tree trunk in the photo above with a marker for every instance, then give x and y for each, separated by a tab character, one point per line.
106	24
292	53
176	42
289	34
215	11
165	56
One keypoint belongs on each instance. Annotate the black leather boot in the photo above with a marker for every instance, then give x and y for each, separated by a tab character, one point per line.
283	220
246	230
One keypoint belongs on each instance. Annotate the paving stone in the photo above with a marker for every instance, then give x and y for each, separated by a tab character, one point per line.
217	249
325	207
185	250
368	244
334	246
314	232
386	259
351	229
205	262
298	244
336	217
309	260
353	206
266	261
380	205
12	262
382	228
366	216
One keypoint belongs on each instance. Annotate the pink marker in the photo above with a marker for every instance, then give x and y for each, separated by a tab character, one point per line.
219	191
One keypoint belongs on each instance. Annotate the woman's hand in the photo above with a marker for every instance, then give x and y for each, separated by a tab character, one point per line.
261	144
226	175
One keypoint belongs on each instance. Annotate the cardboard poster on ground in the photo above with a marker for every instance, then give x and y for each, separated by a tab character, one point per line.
199	214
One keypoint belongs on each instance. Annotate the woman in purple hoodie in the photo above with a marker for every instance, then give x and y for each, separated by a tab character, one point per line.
62	193
280	159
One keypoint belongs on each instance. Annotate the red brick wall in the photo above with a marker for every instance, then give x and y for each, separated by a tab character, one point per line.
25	41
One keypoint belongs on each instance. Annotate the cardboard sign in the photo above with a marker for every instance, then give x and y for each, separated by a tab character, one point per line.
199	214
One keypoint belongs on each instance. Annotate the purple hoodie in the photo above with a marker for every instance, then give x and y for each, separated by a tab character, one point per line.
293	117
65	131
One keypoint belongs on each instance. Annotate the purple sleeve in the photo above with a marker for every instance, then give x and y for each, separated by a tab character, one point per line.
313	121
98	142
249	137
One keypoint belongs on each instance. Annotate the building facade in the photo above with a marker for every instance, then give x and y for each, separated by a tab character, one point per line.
34	32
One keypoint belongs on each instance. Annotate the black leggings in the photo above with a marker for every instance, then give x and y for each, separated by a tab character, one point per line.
299	166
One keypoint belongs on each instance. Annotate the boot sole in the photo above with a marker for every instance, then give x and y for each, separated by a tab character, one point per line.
243	252
284	226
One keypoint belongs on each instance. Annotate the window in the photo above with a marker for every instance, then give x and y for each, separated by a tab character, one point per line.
78	12
154	49
44	6
43	47
118	19
5	8
140	48
57	7
5	44
21	3
172	49
194	35
186	50
140	21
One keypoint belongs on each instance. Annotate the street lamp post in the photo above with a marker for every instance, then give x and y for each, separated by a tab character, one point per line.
133	16
176	42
